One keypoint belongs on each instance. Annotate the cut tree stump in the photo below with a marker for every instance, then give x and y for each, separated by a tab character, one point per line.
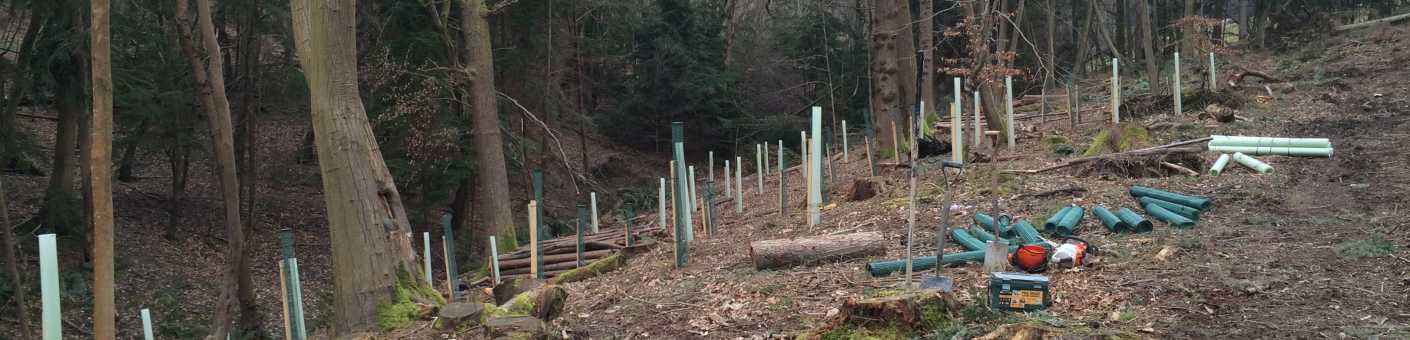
901	310
515	327
783	253
507	289
456	314
861	189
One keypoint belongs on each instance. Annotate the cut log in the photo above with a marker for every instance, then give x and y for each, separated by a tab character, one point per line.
544	302
455	314
555	258
1370	23
593	269
547	267
783	253
507	289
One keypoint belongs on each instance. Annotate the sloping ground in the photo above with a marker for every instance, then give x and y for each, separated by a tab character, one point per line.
1316	249
178	280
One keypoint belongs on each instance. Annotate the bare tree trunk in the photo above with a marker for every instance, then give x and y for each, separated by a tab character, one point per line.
9	130
249	50
179	159
1148	45
927	43
100	160
888	102
1190	32
493	177
1084	40
217	107
1051	61
12	265
369	230
905	64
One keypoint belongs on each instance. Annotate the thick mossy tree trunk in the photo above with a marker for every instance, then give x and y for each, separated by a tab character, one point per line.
892	78
491	174
369	228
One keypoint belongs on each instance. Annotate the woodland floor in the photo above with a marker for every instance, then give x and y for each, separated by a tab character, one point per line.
1275	258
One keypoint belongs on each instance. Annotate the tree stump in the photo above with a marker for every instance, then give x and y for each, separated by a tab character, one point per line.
783	253
458	313
544	302
507	289
861	189
515	327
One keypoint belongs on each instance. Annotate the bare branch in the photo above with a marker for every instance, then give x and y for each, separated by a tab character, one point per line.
564	156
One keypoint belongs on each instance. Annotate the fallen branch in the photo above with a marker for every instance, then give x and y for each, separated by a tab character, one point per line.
1074	191
564	156
1237	80
1372	22
1181	169
1167	148
26	115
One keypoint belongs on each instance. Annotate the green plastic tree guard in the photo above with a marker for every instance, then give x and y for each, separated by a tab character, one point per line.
582	214
1052	221
1070	222
1274	151
1184	211
1135	221
1320	143
1252	163
1166	215
885	267
294	285
963	238
987	222
1027	233
981	234
1219	165
682	215
1112	223
1196	202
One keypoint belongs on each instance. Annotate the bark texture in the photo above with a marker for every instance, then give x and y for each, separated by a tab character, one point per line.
783	253
492	175
370	232
100	160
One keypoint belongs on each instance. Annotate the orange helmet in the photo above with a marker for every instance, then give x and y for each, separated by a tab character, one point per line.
1030	258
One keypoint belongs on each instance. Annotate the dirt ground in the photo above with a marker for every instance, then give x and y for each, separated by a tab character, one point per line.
1316	249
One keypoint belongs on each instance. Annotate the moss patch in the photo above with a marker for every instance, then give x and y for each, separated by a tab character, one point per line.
403	309
1125	137
591	270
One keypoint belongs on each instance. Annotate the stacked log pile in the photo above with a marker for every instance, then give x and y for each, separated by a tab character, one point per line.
561	254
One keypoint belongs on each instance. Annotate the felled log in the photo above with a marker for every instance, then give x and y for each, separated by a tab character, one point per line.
515	327
555	258
783	253
591	270
544	302
548	267
1370	23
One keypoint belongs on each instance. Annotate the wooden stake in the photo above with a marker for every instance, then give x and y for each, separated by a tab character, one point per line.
895	142
283	298
870	164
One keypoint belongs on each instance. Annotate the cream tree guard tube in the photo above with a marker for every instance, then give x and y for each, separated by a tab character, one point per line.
592	198
51	315
1178	94
1008	128
956	126
978	133
845	159
759	165
1115	91
738	185
729	184
815	164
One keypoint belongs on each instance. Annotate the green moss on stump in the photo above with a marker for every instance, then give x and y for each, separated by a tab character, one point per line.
1130	136
405	307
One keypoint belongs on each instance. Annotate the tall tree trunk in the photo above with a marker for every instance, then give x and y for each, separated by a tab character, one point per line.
887	101
129	154
249	50
59	196
18	82
178	157
1157	84
1190	32
210	79
1051	61
492	176
1084	40
12	265
927	44
905	64
100	160
369	230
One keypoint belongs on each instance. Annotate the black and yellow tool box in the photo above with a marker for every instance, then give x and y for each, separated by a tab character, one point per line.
1018	292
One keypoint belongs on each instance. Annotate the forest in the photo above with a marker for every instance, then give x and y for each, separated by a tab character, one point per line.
428	169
